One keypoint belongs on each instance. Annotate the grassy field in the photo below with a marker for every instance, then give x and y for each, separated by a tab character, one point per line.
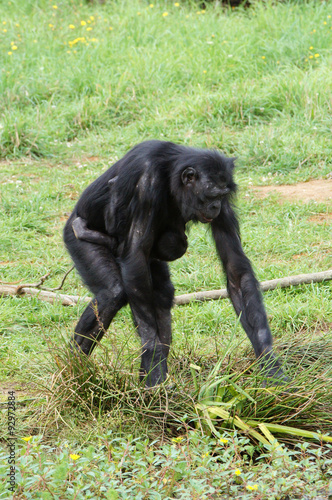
81	83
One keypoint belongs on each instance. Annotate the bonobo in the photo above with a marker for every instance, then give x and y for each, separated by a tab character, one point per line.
132	220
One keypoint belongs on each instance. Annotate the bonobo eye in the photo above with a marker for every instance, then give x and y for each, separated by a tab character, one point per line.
188	176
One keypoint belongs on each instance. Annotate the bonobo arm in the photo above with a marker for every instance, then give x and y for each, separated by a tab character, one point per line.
244	291
137	280
82	232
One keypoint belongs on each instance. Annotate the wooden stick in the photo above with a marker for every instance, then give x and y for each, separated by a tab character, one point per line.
66	300
71	300
298	279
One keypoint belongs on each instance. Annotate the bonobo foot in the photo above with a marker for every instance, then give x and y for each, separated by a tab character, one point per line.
153	366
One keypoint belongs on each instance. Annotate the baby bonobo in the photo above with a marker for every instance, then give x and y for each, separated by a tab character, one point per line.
132	220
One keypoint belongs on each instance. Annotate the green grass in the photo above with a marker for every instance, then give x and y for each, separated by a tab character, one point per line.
245	81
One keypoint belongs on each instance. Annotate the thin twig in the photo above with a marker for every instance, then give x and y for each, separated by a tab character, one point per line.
32	285
61	284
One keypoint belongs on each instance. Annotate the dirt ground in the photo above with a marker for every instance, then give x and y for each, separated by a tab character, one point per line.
314	190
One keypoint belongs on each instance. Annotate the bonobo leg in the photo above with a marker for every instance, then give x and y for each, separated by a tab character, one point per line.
101	274
154	355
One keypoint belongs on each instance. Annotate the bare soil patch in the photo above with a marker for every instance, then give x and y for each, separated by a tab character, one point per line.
314	190
321	218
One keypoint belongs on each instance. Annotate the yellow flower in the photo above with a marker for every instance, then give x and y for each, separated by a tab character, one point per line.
92	18
204	70
311	57
83	23
5	31
89	29
110	28
316	55
165	14
324	22
50	25
310	48
222	440
151	5
5	22
237	472
177	4
9	53
138	13
177	439
71	26
27	438
14	47
252	488
74	457
55	6
17	24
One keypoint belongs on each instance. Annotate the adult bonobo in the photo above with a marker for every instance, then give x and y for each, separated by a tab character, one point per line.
132	220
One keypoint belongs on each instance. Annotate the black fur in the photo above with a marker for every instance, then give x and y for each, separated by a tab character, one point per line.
131	220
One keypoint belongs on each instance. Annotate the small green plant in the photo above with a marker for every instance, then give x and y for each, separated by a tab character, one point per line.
189	466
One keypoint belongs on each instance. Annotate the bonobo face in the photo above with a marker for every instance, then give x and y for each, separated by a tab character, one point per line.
204	189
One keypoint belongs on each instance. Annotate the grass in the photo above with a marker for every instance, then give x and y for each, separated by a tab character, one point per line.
254	83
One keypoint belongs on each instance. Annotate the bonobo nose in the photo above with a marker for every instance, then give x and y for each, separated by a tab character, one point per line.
215	206
213	209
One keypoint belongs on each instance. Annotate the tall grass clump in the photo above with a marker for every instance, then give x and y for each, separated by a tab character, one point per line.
223	395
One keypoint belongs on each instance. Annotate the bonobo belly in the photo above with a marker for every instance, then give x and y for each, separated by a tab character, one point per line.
170	246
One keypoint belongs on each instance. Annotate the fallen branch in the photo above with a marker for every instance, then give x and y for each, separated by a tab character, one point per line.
71	300
298	279
66	300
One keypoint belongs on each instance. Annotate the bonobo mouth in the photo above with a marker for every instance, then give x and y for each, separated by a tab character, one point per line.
204	219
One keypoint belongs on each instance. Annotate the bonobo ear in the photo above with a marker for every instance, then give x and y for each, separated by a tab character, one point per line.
188	176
